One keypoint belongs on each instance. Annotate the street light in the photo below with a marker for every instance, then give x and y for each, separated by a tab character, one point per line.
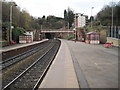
68	29
91	15
112	14
112	20
11	7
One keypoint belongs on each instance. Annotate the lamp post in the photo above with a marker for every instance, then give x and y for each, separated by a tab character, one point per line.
91	16
68	29
11	9
112	21
112	16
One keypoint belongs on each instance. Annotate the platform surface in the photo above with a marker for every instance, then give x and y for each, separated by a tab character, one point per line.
99	65
15	46
61	73
93	66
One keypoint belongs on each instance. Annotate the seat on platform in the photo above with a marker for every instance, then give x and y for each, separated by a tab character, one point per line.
12	42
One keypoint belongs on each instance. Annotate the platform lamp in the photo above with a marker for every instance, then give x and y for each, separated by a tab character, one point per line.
112	19
68	28
11	9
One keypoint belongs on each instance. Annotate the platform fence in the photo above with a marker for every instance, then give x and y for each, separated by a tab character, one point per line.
114	32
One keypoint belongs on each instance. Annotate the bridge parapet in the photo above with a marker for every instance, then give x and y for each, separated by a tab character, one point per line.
55	31
60	31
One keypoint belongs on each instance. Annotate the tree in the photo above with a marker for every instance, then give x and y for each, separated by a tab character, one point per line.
21	18
65	17
117	13
16	32
70	17
16	16
105	15
5	11
43	17
26	19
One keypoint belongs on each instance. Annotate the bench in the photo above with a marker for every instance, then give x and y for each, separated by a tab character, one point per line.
12	42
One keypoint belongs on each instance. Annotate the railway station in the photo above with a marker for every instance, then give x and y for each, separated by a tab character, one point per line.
78	50
75	65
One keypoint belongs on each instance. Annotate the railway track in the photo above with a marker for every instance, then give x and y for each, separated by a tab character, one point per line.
5	63
32	76
14	52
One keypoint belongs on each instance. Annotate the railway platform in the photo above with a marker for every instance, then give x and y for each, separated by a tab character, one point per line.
61	73
95	65
16	46
81	65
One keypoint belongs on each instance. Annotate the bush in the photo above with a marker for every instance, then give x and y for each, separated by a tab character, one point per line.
16	32
71	38
4	43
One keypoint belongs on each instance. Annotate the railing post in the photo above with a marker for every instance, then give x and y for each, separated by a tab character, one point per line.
111	31
115	31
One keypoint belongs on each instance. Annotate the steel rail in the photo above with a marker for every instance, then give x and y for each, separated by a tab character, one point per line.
20	75
19	55
45	71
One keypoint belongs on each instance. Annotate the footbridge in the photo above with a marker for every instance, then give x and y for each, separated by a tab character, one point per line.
56	31
51	33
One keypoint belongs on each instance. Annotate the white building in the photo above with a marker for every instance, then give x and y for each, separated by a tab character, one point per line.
80	20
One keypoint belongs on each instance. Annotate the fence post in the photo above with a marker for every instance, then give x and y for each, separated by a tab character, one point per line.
115	31
108	31
112	31
118	32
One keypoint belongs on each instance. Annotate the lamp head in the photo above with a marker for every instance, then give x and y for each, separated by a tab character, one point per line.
13	3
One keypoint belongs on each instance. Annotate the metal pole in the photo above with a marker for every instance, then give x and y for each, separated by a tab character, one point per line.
10	22
112	21
115	32
112	13
68	29
91	17
75	28
11	9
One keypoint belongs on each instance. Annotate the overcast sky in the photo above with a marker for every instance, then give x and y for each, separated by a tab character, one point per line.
38	8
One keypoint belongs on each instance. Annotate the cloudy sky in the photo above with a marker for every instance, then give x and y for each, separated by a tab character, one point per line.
38	8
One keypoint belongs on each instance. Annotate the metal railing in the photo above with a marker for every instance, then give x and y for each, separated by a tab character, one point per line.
114	32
